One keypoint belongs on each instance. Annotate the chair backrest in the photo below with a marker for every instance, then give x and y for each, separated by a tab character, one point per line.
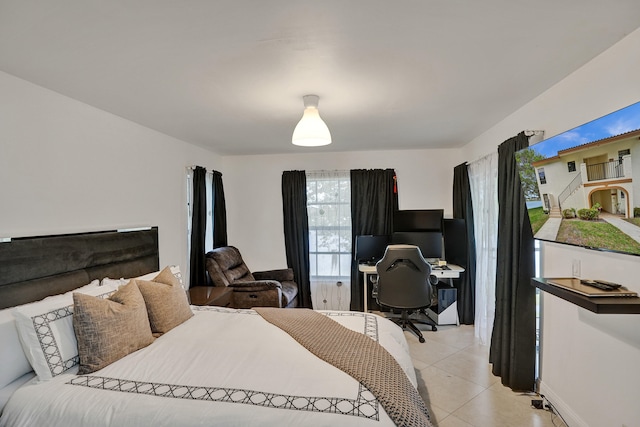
225	266
403	278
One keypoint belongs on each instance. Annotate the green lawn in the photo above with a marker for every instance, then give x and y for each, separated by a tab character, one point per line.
538	218
596	234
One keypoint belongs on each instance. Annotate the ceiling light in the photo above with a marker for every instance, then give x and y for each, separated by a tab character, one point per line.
311	131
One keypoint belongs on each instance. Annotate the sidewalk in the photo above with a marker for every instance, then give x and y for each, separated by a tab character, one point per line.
627	228
549	230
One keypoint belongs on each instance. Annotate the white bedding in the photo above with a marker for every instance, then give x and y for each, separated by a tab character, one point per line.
221	367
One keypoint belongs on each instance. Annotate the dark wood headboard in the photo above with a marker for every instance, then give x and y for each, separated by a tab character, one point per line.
32	268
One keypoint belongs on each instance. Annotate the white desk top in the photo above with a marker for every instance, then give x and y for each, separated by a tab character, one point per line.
452	273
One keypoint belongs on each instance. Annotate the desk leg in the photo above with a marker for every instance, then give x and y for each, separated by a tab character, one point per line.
364	291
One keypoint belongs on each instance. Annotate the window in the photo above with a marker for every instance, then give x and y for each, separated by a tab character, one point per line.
623	153
543	178
547	205
329	211
571	166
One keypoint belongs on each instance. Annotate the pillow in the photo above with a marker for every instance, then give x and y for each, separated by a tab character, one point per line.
166	301
113	282
150	276
93	284
109	329
13	361
45	329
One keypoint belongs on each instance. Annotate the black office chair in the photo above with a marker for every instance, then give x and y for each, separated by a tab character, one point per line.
405	282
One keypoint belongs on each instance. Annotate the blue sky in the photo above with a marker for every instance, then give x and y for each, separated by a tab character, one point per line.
621	121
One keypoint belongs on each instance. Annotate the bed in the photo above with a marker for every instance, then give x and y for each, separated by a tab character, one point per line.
215	366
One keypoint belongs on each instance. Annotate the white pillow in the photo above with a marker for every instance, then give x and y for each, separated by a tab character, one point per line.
46	331
148	277
13	361
93	284
113	282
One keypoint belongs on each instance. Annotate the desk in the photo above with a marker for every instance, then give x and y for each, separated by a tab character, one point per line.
452	273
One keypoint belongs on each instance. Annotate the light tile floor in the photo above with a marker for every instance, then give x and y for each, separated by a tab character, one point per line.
455	380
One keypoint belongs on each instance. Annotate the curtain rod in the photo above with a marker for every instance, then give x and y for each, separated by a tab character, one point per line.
192	167
326	173
484	157
328	170
527	132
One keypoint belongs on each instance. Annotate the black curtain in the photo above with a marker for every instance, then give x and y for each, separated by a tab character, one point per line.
219	212
373	200
197	275
296	231
512	350
463	209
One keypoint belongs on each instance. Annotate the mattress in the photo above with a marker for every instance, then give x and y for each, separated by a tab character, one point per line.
221	367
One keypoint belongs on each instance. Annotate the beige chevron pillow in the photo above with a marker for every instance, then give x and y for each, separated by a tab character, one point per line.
166	301
109	329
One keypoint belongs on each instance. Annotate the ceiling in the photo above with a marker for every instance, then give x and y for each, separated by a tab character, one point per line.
229	75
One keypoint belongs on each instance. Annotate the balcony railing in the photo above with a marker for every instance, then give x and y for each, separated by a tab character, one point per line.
606	170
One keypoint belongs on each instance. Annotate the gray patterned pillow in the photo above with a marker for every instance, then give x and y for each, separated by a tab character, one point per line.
166	301
109	329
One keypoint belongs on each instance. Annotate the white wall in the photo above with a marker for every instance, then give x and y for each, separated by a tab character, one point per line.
590	367
254	198
67	167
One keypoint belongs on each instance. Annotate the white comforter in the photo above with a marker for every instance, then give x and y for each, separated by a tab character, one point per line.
221	367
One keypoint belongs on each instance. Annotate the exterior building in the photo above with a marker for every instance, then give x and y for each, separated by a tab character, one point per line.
597	172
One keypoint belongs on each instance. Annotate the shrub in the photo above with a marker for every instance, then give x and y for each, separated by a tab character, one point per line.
569	213
588	214
636	212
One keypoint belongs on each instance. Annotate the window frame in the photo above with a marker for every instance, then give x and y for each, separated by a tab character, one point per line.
343	254
542	177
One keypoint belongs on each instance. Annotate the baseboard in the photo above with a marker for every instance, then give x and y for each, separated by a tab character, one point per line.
572	419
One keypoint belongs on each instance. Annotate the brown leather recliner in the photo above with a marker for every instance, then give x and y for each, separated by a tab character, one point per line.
274	288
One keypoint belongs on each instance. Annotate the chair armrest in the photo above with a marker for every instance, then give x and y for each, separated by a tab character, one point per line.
281	275
258	293
255	285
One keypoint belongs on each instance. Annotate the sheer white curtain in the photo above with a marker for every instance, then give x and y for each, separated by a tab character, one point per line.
483	179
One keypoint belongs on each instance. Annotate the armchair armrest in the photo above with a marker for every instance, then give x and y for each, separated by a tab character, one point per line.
281	275
256	293
255	285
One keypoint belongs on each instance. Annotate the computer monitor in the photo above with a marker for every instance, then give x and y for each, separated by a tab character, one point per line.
418	220
455	241
370	248
429	242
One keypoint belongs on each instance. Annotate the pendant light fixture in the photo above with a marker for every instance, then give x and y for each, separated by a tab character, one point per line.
311	130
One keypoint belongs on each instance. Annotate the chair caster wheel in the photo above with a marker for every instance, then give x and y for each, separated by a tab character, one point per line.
433	328
421	339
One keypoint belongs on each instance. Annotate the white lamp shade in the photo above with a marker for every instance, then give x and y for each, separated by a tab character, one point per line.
311	130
